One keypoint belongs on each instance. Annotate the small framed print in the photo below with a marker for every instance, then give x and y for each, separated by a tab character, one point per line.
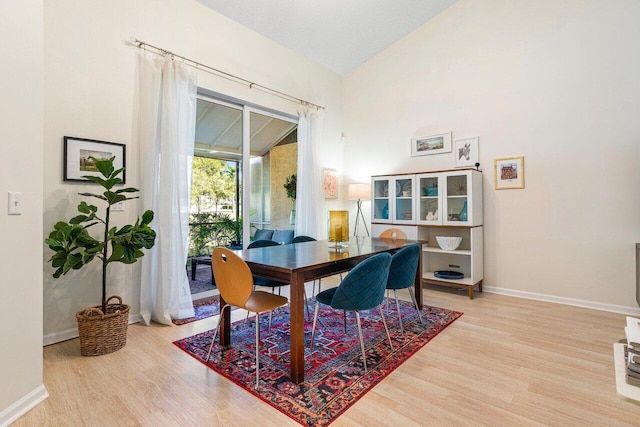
434	144
330	183
78	153
508	172
466	152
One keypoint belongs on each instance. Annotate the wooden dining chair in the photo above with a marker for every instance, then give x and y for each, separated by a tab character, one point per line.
235	284
362	289
393	234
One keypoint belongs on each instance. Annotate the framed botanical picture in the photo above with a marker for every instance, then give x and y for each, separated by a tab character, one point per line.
78	153
508	172
330	183
465	152
434	144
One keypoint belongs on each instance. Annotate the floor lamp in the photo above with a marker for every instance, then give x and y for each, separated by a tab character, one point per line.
359	192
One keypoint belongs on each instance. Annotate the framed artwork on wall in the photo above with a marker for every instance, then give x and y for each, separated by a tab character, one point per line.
434	144
77	153
466	152
330	183
508	172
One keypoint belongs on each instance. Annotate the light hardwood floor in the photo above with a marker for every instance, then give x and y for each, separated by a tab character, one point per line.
506	361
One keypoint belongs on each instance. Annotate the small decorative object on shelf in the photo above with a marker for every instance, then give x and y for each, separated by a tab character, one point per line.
449	275
449	243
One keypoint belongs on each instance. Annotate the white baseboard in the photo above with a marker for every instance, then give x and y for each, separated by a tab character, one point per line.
631	311
70	334
23	406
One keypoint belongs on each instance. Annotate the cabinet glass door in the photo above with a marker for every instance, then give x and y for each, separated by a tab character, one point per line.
457	199
429	205
404	200
381	206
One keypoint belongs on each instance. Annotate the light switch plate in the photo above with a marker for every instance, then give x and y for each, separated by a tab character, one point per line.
118	207
15	203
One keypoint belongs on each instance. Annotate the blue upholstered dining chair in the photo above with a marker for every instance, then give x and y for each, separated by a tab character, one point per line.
270	283
402	274
262	281
362	289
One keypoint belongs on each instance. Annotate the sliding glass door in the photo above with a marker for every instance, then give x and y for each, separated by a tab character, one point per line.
235	145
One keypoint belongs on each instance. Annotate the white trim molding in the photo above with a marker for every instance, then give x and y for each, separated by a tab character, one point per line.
630	311
23	406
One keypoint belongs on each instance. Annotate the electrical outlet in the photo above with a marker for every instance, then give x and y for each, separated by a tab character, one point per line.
118	207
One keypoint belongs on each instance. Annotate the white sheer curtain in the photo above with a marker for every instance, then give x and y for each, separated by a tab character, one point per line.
167	105
309	199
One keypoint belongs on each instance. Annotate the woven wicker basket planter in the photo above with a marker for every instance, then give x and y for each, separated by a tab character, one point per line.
103	333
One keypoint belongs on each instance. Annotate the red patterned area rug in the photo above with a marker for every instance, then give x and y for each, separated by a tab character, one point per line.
203	308
334	373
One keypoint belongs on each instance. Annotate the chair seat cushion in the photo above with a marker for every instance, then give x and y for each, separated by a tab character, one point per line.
326	296
260	301
284	237
269	283
263	234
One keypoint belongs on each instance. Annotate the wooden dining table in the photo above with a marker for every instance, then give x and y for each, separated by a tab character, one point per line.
303	262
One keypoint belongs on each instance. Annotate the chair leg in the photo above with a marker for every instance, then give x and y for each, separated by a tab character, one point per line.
258	349
345	320
315	319
384	322
215	334
364	357
415	304
395	294
306	301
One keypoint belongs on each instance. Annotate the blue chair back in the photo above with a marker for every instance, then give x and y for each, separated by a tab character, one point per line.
262	244
299	239
404	263
364	286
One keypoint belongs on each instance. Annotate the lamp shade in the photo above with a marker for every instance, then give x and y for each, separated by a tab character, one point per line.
359	191
338	226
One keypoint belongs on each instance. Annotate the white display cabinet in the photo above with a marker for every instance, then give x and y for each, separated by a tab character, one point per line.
444	203
393	199
449	198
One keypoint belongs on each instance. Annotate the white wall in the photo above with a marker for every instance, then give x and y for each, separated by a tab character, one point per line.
21	109
554	81
89	91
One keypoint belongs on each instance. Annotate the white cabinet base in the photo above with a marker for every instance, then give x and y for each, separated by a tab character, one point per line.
465	282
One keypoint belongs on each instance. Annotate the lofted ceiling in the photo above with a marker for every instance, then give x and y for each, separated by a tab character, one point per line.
337	34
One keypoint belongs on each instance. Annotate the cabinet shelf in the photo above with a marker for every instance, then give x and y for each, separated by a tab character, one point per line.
433	249
465	281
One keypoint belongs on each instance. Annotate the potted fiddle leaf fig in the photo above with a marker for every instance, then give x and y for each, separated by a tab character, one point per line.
102	329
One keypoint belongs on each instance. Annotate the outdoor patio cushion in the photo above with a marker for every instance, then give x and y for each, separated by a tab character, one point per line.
263	234
283	237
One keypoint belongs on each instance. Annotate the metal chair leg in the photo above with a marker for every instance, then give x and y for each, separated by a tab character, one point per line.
384	322
315	319
395	294
415	303
215	334
345	321
364	357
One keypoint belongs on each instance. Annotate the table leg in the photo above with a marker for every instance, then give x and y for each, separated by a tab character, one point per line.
194	263
296	304
418	281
